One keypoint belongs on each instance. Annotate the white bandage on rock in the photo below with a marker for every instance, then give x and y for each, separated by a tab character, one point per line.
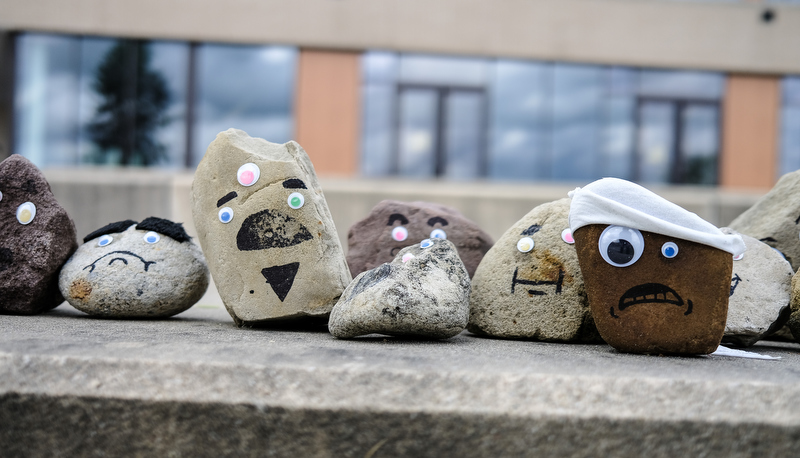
622	203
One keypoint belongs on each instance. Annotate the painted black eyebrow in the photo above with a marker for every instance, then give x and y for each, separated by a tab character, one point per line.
227	198
112	228
294	183
437	219
172	230
532	229
767	239
397	217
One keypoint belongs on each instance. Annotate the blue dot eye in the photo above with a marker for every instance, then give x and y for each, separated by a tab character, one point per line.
226	215
152	237
427	243
669	250
105	240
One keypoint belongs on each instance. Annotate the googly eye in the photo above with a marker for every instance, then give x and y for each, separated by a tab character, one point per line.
566	235
248	174
296	200
407	257
669	250
438	234
104	240
152	237
26	212
621	246
525	244
225	214
427	243
739	256
399	233
1	195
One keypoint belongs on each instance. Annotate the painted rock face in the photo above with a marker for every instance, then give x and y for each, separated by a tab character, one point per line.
652	302
135	270
393	225
657	276
760	293
423	292
775	218
36	238
529	284
266	230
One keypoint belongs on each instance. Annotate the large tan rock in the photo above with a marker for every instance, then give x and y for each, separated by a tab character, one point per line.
533	290
266	230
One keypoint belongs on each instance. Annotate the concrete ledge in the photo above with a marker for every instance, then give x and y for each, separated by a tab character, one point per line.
197	385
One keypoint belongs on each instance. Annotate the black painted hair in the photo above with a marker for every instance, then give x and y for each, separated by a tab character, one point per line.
112	228
164	226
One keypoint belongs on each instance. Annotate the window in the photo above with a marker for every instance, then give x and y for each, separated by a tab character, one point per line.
790	125
427	116
91	100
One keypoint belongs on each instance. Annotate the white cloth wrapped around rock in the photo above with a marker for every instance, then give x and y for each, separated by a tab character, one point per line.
619	202
423	292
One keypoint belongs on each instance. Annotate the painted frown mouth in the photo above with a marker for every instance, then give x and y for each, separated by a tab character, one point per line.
650	293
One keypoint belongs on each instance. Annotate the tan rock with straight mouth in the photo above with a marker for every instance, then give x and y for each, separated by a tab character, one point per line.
266	230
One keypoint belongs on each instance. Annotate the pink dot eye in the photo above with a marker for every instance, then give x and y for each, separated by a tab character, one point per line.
400	233
248	174
566	235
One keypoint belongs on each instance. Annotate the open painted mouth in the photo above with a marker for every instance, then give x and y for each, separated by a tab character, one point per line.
650	293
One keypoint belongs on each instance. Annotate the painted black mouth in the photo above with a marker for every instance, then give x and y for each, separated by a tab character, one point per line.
650	293
6	258
119	258
534	292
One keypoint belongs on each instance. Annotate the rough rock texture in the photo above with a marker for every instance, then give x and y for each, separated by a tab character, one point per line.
371	241
423	292
760	293
657	305
794	319
775	218
122	273
30	254
537	294
278	256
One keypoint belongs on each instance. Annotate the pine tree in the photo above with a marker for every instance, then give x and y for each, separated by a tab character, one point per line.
135	98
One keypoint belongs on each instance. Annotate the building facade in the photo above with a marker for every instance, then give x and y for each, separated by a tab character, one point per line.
656	91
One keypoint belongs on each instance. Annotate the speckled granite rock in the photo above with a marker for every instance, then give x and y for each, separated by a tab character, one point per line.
775	218
794	319
393	225
266	230
423	292
760	293
36	238
135	270
529	284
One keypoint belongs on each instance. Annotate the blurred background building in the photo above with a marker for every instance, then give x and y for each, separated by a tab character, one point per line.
531	91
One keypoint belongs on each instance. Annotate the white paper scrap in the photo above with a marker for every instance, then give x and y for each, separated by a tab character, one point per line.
725	351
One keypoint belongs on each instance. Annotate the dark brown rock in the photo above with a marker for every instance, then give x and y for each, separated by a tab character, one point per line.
371	241
31	254
657	304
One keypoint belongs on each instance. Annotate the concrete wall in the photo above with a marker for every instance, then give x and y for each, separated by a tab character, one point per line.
95	197
704	35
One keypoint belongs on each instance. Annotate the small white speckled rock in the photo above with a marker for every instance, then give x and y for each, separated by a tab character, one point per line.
529	284
760	293
125	270
423	292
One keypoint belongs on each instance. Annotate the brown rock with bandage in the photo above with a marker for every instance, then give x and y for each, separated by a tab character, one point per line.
657	276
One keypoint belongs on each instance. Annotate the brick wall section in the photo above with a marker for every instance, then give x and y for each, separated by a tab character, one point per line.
328	110
751	115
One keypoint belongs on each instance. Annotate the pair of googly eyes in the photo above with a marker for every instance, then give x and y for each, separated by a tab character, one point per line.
400	234
623	246
150	237
526	244
295	201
